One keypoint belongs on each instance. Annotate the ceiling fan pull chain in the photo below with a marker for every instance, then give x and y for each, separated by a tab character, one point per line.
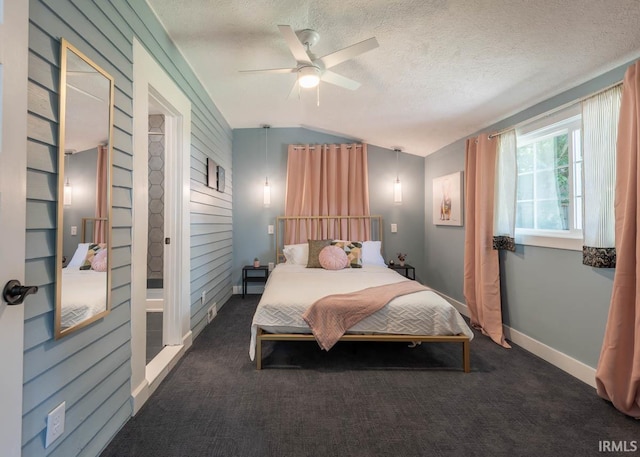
318	95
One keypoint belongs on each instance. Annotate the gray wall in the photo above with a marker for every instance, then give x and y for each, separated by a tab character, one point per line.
90	369
547	293
251	218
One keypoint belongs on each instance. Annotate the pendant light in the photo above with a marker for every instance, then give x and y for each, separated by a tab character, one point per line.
397	186
267	188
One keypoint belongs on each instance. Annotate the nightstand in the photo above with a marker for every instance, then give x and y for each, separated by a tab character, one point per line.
405	269
253	274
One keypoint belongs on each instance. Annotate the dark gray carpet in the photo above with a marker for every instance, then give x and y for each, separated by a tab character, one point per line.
365	399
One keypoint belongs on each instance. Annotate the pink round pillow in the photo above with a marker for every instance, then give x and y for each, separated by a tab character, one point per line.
333	258
99	261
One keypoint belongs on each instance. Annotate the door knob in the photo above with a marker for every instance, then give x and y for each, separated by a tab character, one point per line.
14	293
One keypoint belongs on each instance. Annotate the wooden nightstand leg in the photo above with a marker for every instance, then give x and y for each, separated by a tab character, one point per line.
244	284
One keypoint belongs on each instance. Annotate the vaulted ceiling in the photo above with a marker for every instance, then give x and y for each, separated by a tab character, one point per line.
444	68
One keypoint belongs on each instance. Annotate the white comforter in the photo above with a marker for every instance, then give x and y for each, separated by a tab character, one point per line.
291	289
83	295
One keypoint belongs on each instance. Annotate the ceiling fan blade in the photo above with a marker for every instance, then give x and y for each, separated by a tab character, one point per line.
296	48
349	52
272	70
339	80
295	90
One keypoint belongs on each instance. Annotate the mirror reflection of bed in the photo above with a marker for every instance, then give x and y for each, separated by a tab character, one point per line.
84	274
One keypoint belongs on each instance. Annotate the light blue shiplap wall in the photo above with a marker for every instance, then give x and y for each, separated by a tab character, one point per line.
90	369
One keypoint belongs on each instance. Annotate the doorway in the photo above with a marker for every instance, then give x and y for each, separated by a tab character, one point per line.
163	290
156	229
14	22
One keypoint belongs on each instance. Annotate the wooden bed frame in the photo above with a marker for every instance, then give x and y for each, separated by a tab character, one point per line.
376	235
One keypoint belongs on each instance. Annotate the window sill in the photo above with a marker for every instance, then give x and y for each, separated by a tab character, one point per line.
554	240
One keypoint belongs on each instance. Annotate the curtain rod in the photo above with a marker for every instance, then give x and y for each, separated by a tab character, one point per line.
320	145
554	110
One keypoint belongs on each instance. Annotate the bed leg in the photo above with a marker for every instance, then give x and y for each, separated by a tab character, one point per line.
259	351
466	356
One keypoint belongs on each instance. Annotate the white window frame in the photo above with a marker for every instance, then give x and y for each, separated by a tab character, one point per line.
571	239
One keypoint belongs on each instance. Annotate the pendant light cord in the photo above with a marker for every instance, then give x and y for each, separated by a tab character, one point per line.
266	154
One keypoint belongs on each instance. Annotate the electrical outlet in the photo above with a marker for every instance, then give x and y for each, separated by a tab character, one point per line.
270	229
55	424
394	228
204	297
212	312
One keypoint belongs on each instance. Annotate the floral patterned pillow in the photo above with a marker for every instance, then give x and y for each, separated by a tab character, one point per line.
353	249
92	251
99	261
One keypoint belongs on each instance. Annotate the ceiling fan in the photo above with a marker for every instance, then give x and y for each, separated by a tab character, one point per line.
311	69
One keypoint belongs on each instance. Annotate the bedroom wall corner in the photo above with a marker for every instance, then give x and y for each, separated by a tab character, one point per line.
251	218
547	294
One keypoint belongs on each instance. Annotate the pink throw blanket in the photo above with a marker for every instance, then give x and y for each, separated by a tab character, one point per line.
330	317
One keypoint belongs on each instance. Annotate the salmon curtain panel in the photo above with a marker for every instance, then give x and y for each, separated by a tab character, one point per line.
327	180
100	226
618	372
481	262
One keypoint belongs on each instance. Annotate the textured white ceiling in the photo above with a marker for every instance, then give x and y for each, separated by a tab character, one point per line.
444	68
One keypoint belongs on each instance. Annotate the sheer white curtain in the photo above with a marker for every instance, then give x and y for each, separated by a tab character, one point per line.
504	215
600	115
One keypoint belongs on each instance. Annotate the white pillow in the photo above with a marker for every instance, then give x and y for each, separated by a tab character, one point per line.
296	254
78	257
371	253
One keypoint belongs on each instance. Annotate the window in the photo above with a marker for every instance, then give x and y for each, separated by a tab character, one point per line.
549	187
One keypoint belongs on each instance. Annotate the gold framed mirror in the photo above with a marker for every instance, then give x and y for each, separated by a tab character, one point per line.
83	260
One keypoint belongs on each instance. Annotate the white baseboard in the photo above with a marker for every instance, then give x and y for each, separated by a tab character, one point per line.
251	289
155	300
155	305
157	370
574	367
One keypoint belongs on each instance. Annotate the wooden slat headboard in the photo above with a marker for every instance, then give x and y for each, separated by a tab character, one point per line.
338	228
91	222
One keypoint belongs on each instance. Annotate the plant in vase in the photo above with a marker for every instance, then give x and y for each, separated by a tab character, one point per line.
256	262
401	258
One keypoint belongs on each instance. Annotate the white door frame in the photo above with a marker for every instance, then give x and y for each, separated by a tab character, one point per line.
14	52
149	79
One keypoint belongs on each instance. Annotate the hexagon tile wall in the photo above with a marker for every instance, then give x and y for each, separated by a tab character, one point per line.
155	261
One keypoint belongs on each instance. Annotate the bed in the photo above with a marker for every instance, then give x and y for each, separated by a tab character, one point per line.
84	280
82	295
291	288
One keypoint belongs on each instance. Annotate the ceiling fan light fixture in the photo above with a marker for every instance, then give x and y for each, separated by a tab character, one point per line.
308	77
